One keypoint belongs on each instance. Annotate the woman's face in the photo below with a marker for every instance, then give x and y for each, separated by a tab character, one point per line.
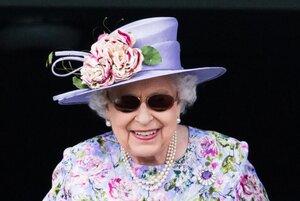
144	133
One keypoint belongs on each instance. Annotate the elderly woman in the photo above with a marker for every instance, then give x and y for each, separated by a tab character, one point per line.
133	79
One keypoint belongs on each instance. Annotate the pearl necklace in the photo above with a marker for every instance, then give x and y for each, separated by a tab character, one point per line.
154	181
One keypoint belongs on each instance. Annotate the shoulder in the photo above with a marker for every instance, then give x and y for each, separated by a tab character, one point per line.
89	154
227	160
215	146
223	141
100	142
82	165
97	146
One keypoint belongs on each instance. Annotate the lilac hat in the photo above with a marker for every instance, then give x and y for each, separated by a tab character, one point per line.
140	50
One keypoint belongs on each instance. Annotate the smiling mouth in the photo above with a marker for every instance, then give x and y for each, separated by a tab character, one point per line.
144	133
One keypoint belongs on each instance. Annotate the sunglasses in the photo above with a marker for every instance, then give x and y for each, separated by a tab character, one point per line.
130	103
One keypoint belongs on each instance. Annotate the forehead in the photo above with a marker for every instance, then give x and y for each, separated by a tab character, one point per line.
164	83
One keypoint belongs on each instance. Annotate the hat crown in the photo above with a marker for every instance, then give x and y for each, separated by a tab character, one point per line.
152	30
160	33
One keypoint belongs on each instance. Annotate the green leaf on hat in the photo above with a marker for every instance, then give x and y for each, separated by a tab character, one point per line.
78	83
151	55
49	60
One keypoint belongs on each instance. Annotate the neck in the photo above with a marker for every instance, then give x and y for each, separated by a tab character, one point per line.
151	160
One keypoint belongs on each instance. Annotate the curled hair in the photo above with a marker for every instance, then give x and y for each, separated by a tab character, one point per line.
98	102
187	93
186	88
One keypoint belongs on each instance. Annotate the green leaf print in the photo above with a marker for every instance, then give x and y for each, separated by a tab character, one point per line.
170	185
57	188
228	164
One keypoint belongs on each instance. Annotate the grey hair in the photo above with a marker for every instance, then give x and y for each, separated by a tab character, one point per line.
186	87
187	93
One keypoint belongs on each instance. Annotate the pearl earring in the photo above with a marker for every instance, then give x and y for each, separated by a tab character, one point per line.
178	120
107	123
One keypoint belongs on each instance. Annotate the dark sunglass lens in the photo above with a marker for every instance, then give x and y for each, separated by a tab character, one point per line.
127	103
160	102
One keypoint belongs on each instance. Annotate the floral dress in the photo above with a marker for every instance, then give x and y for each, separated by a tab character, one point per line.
214	167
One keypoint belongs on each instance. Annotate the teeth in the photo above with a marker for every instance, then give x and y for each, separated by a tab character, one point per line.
145	134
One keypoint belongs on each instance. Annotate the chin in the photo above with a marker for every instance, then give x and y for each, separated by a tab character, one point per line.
146	153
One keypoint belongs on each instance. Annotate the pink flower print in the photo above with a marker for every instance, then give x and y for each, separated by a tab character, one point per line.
208	147
221	182
121	189
88	163
78	180
214	165
89	149
113	187
97	178
244	146
137	169
249	188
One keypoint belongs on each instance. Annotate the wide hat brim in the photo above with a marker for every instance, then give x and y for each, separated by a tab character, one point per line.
82	96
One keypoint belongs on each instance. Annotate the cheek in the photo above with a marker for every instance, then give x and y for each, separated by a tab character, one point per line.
169	119
120	124
120	132
173	113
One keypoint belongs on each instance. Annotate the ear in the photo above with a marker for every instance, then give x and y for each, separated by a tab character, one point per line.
178	109
178	114
107	112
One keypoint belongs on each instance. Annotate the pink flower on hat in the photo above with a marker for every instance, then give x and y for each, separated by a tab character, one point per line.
95	72
112	59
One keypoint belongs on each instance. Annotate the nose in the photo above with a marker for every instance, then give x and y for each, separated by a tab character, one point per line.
143	114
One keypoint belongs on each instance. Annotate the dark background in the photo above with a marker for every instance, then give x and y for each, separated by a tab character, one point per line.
255	101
